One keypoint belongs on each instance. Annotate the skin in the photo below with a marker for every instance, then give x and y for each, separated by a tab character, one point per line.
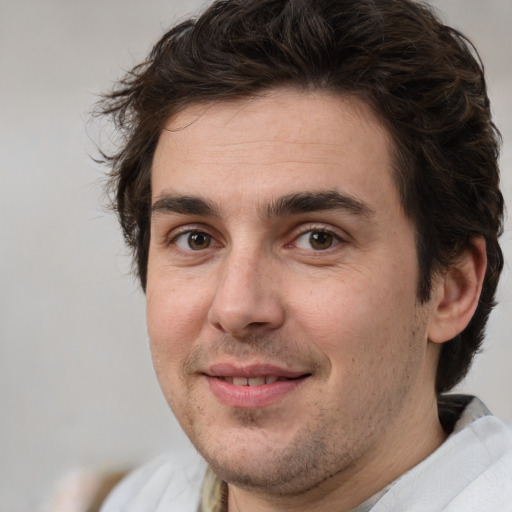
243	277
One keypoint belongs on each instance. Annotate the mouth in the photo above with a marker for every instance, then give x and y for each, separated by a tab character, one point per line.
254	386
259	381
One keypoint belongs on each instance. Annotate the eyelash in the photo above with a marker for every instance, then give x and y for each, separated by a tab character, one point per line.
335	240
185	236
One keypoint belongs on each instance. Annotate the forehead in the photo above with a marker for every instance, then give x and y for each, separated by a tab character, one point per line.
283	140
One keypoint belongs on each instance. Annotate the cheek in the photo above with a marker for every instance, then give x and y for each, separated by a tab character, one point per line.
358	322
335	311
175	316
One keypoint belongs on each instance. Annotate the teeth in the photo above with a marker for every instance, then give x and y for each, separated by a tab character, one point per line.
256	381
251	381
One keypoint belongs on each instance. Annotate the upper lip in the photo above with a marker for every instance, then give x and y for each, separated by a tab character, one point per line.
252	370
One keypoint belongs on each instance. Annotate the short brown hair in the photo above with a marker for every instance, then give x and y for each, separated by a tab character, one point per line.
422	78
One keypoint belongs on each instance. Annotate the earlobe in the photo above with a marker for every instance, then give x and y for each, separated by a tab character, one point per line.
457	292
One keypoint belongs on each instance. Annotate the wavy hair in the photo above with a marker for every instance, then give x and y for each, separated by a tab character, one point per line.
423	79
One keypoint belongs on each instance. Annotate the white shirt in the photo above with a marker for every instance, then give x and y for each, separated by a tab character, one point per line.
470	472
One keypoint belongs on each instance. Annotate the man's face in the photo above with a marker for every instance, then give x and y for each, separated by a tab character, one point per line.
281	294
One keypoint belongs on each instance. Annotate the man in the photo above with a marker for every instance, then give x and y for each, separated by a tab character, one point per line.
310	188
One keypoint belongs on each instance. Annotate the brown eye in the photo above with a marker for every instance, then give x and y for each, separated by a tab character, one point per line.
197	241
316	240
193	240
320	240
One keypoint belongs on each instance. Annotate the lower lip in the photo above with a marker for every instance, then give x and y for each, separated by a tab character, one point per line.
252	397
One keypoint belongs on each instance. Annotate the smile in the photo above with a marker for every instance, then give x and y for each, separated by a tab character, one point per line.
256	386
253	381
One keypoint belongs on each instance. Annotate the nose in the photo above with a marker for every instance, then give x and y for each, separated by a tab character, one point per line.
247	299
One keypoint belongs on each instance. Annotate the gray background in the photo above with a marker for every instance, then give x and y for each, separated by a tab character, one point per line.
76	383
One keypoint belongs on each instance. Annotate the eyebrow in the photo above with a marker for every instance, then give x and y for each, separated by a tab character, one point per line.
185	205
291	204
307	202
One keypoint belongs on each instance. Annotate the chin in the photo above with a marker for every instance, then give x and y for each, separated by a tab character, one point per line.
280	481
278	469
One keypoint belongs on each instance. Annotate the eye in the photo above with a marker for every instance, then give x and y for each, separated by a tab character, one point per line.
317	240
193	240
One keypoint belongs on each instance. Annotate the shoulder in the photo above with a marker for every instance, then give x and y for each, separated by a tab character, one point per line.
491	489
169	482
470	472
489	439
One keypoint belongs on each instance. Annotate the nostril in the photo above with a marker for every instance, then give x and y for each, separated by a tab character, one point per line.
256	324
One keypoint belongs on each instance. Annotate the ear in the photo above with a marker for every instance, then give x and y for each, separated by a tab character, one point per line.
457	292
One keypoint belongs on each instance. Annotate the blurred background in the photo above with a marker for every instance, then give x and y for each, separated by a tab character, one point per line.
77	388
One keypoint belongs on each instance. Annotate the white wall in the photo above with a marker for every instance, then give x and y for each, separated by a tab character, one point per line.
76	383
